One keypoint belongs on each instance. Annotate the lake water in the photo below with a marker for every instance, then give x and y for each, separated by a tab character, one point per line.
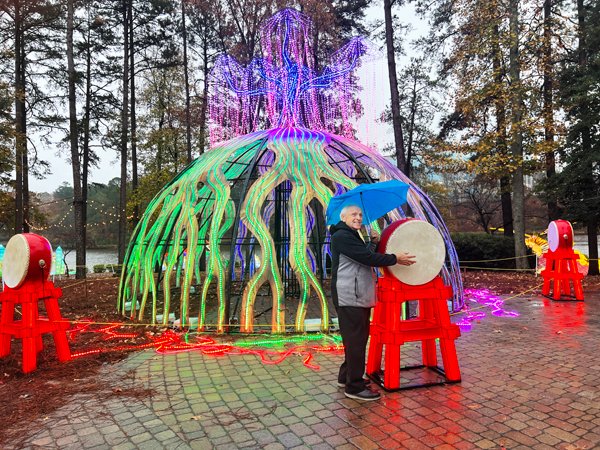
110	256
94	256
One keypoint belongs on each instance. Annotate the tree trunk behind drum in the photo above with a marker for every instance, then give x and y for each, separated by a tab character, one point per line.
586	140
134	164
548	107
80	269
517	138
188	132
124	124
391	58
501	146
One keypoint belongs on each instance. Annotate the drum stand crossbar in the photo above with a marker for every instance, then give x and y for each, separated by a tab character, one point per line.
432	323
31	326
561	266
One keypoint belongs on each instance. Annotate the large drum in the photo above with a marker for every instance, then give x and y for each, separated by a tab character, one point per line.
27	258
418	238
560	235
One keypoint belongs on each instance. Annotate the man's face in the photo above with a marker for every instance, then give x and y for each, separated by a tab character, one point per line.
353	217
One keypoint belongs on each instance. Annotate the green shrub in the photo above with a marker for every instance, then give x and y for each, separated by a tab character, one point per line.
99	268
485	247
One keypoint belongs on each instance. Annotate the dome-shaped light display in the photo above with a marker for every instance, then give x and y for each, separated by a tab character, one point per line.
250	212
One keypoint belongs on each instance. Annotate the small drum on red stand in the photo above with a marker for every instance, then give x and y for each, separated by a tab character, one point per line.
401	284
561	262
560	235
418	238
27	258
26	269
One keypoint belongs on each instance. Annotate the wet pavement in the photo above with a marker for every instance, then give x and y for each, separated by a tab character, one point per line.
528	382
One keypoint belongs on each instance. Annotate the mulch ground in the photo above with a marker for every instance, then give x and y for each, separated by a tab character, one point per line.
26	397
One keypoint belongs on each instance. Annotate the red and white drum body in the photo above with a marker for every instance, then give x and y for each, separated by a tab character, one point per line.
418	238
27	258
560	235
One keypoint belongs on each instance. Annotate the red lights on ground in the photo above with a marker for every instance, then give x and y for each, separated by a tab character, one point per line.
170	342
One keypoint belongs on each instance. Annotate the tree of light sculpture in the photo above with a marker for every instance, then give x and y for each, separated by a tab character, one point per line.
259	197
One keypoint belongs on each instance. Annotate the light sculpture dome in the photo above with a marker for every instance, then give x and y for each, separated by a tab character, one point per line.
250	211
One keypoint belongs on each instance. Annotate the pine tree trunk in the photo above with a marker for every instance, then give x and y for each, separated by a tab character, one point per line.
86	139
188	131
134	163
548	108
80	270
517	138
391	58
20	139
586	140
124	125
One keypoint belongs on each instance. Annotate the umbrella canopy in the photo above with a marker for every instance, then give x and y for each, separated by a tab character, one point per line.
375	200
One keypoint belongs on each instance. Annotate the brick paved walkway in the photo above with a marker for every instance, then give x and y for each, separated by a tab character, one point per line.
532	384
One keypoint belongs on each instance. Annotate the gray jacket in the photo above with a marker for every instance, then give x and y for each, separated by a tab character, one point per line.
353	280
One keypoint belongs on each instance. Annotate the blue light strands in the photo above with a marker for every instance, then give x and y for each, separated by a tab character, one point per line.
294	93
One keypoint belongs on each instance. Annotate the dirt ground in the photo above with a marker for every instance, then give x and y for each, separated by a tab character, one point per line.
27	396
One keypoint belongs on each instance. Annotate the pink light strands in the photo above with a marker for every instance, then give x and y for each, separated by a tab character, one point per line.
484	297
283	89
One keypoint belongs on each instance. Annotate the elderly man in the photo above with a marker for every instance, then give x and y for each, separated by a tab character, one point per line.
353	290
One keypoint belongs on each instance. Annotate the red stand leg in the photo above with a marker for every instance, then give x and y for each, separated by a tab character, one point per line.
31	327
561	269
8	312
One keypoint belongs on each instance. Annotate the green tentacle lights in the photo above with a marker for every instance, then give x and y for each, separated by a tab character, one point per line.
196	213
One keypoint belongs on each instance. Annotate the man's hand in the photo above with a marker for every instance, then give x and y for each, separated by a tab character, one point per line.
375	237
405	259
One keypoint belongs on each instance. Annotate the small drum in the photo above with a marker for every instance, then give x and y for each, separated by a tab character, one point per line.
27	258
560	235
420	239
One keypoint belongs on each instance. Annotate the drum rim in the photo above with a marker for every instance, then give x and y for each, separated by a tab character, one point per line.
26	270
554	224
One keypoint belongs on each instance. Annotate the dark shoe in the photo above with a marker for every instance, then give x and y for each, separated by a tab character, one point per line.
366	380
367	395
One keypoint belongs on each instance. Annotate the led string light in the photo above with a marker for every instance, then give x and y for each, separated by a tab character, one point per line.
169	342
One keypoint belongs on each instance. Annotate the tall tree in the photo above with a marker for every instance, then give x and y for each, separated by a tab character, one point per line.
548	103
126	17
395	96
27	28
78	203
516	144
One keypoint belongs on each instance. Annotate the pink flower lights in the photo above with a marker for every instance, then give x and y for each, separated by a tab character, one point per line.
484	297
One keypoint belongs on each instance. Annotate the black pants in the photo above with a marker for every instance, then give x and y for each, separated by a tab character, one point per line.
354	327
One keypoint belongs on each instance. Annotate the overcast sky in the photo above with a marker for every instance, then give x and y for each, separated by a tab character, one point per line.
109	165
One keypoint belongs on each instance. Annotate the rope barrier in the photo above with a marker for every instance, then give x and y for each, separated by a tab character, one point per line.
495	268
501	259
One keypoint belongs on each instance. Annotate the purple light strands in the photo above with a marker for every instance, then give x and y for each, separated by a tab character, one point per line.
283	89
484	297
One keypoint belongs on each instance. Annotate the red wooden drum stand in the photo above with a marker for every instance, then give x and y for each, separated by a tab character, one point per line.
561	262
561	266
390	330
31	326
27	261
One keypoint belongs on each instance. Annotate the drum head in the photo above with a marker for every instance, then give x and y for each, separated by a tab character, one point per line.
421	239
16	261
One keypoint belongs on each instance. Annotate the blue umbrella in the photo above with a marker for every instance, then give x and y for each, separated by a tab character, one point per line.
375	200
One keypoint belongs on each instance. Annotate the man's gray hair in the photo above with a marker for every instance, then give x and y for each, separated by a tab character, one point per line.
347	207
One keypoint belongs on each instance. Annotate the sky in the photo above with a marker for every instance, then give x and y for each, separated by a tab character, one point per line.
378	134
